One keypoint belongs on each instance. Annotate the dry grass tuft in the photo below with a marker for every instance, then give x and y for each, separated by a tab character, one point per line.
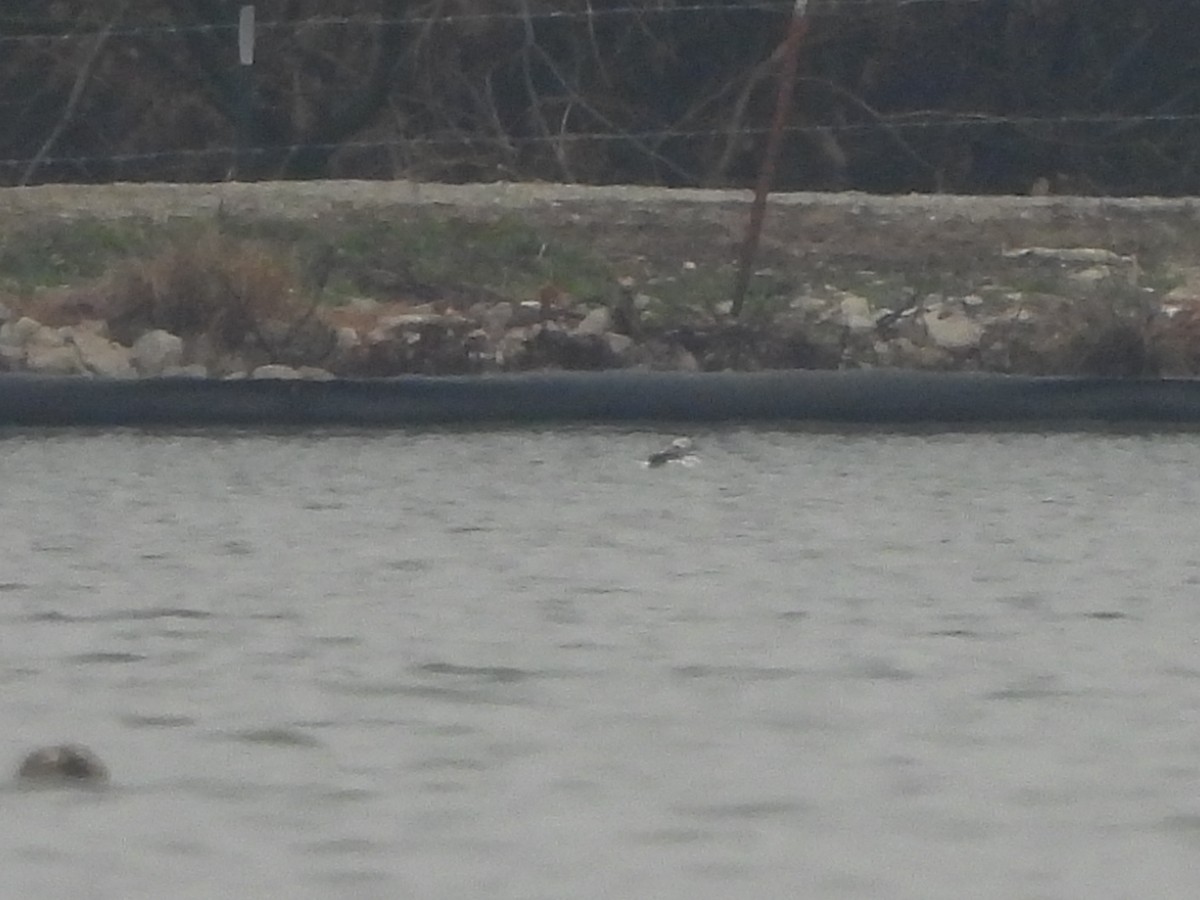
235	294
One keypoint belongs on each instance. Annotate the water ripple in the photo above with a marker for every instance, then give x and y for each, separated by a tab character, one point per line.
737	673
276	737
496	674
743	810
165	720
105	657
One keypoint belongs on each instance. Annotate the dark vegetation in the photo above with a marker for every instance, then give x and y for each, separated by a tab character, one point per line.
969	96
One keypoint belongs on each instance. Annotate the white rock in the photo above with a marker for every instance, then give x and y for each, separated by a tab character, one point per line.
53	359
511	345
407	320
91	326
100	356
525	313
809	303
496	318
1186	291
618	344
598	321
951	330
20	332
50	337
195	370
1091	276
157	351
685	361
346	338
855	313
1069	254
315	373
274	370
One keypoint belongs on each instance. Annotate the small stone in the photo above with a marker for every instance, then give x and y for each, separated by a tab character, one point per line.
20	332
809	303
618	344
53	359
90	326
345	338
194	370
952	331
406	320
527	312
496	318
100	356
315	373
276	371
685	361
855	313
1091	276
598	321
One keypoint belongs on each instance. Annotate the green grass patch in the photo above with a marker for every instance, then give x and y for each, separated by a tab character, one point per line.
52	253
503	255
409	256
374	256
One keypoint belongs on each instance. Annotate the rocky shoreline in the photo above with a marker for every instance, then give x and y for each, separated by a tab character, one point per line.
1069	287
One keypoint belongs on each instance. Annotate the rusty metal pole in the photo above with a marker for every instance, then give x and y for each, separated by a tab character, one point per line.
788	52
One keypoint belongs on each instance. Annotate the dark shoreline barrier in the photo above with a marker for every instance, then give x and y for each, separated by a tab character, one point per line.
886	397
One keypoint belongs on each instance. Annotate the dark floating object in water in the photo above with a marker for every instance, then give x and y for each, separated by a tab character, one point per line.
62	765
679	451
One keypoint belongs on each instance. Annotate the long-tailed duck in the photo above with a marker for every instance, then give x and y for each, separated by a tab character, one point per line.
680	450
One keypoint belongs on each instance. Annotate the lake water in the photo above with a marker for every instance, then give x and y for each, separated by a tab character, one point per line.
518	664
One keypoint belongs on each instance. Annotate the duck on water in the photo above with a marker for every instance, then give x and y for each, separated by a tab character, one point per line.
679	450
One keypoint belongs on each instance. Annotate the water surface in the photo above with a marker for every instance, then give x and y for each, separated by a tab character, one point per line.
521	665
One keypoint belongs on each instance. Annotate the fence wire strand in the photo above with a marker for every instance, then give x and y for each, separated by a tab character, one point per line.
904	122
1104	126
781	7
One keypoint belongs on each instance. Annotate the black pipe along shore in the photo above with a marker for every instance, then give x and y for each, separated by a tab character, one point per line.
869	397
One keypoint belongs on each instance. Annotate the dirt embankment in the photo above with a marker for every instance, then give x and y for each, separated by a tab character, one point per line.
583	277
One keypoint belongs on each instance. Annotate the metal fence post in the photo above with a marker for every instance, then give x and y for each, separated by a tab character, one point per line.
245	88
789	50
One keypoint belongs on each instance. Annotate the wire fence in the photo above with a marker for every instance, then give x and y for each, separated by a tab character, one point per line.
666	92
452	19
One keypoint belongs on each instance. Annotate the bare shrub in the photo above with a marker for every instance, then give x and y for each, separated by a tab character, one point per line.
239	296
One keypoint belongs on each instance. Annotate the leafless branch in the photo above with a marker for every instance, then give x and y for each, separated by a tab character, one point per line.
81	79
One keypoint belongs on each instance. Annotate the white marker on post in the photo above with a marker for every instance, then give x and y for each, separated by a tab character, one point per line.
245	89
246	35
